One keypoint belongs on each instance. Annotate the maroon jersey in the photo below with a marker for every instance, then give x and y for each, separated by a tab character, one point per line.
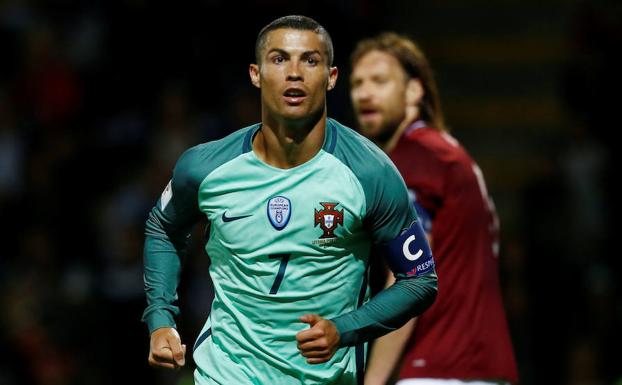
464	334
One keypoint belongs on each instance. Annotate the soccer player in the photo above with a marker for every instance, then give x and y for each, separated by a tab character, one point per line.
294	204
464	335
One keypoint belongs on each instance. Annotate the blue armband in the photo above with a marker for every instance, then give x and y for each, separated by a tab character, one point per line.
409	254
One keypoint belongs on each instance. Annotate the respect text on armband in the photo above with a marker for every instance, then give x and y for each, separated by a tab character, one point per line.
425	267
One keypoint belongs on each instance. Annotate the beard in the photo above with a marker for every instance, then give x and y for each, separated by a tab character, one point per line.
381	132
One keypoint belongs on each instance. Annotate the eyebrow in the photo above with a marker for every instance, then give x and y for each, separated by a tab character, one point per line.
285	53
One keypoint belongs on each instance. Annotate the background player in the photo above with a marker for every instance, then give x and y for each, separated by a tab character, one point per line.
294	204
464	335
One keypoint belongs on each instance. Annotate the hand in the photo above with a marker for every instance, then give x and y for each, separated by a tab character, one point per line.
320	342
166	349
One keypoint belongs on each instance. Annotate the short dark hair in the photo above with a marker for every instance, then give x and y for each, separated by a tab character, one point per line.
298	22
415	65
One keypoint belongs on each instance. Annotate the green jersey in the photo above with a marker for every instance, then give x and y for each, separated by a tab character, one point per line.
282	243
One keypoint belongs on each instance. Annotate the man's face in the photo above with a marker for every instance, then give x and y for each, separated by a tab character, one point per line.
293	74
378	91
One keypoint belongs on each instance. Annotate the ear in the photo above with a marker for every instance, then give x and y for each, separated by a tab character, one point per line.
332	78
253	71
414	92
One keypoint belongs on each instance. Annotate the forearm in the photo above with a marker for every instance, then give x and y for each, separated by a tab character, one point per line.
162	266
388	310
385	354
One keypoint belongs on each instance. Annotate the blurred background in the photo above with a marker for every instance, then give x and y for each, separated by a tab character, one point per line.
99	98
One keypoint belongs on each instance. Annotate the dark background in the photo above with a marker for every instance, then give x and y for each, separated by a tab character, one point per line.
99	98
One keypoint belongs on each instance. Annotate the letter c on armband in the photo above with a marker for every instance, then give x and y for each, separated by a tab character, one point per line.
406	249
398	253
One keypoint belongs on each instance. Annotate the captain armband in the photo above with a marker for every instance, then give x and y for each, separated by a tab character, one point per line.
409	254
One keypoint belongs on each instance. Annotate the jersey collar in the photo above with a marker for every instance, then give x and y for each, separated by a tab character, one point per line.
417	124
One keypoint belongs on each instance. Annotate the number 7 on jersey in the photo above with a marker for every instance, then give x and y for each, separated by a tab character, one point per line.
281	273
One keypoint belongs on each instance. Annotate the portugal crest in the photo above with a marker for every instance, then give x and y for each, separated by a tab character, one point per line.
328	219
279	211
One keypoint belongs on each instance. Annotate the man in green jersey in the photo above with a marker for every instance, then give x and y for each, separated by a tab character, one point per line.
295	204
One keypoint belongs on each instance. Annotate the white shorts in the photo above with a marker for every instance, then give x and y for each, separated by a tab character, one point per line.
438	381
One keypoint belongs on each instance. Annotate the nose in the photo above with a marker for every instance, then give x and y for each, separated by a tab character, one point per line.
361	92
293	71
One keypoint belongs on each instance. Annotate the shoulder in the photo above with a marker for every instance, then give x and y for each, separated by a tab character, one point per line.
360	154
198	161
429	154
378	176
428	157
231	145
432	143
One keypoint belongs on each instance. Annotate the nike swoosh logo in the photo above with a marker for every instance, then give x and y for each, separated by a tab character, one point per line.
225	218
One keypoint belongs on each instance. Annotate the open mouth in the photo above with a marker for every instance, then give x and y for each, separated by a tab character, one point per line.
368	113
294	96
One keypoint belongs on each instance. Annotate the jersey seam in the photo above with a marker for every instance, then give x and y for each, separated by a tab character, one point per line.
210	173
359	185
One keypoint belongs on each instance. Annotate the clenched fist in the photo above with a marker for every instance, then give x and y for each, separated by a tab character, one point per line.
320	342
166	349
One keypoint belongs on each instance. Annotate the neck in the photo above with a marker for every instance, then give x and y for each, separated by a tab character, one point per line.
286	144
388	144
